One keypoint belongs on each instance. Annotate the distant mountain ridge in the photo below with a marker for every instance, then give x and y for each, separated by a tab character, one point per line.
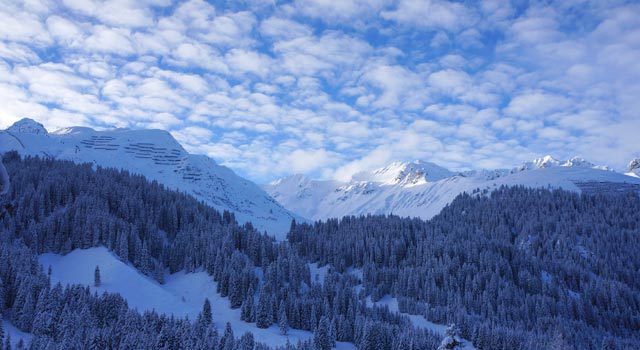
158	156
422	189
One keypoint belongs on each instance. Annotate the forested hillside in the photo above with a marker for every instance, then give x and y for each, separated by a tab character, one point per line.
57	206
514	269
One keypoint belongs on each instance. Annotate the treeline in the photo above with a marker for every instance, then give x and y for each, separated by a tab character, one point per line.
515	269
58	206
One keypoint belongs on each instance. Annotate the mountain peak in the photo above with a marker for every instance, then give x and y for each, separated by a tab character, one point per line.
28	126
549	162
405	173
296	179
546	162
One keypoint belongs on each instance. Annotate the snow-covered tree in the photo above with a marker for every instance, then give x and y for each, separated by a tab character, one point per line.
97	280
452	340
322	336
207	314
283	322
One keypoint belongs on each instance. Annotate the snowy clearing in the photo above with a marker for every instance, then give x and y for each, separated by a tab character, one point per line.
183	294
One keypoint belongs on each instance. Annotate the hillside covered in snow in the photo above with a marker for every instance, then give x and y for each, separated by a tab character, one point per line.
158	156
422	189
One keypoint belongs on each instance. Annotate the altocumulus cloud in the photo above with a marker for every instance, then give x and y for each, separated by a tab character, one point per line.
332	88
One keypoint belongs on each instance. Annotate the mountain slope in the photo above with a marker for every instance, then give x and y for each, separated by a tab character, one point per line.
158	156
182	294
634	168
420	189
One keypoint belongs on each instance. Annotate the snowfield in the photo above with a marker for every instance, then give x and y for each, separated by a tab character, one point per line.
183	294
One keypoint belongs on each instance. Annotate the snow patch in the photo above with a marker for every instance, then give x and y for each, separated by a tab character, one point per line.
16	335
318	273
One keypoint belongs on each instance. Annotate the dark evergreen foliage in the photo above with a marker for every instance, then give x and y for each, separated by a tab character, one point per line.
511	268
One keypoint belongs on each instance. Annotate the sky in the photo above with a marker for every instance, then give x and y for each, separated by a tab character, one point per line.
328	88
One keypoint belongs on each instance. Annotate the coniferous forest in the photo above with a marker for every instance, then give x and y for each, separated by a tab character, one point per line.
514	269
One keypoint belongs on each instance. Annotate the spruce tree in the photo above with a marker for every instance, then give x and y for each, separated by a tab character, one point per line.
322	336
227	342
283	323
264	317
97	280
207	314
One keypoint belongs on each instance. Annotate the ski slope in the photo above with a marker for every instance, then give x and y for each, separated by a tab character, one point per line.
158	156
420	189
183	294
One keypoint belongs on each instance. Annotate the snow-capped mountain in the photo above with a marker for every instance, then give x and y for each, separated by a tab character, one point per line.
405	174
549	161
422	189
634	168
158	156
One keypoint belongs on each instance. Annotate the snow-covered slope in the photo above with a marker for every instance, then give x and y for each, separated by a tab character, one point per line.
158	156
421	189
634	168
183	294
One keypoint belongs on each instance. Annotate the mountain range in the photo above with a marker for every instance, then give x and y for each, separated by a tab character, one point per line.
422	189
415	189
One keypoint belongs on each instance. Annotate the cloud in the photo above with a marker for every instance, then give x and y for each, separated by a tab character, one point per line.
245	61
431	14
536	104
283	29
330	88
311	55
22	26
65	31
305	161
109	40
450	82
346	11
398	88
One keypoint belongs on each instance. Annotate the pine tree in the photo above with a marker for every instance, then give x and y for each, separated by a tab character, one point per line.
97	281
227	342
264	317
235	290
451	339
247	309
247	341
207	314
283	323
321	336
